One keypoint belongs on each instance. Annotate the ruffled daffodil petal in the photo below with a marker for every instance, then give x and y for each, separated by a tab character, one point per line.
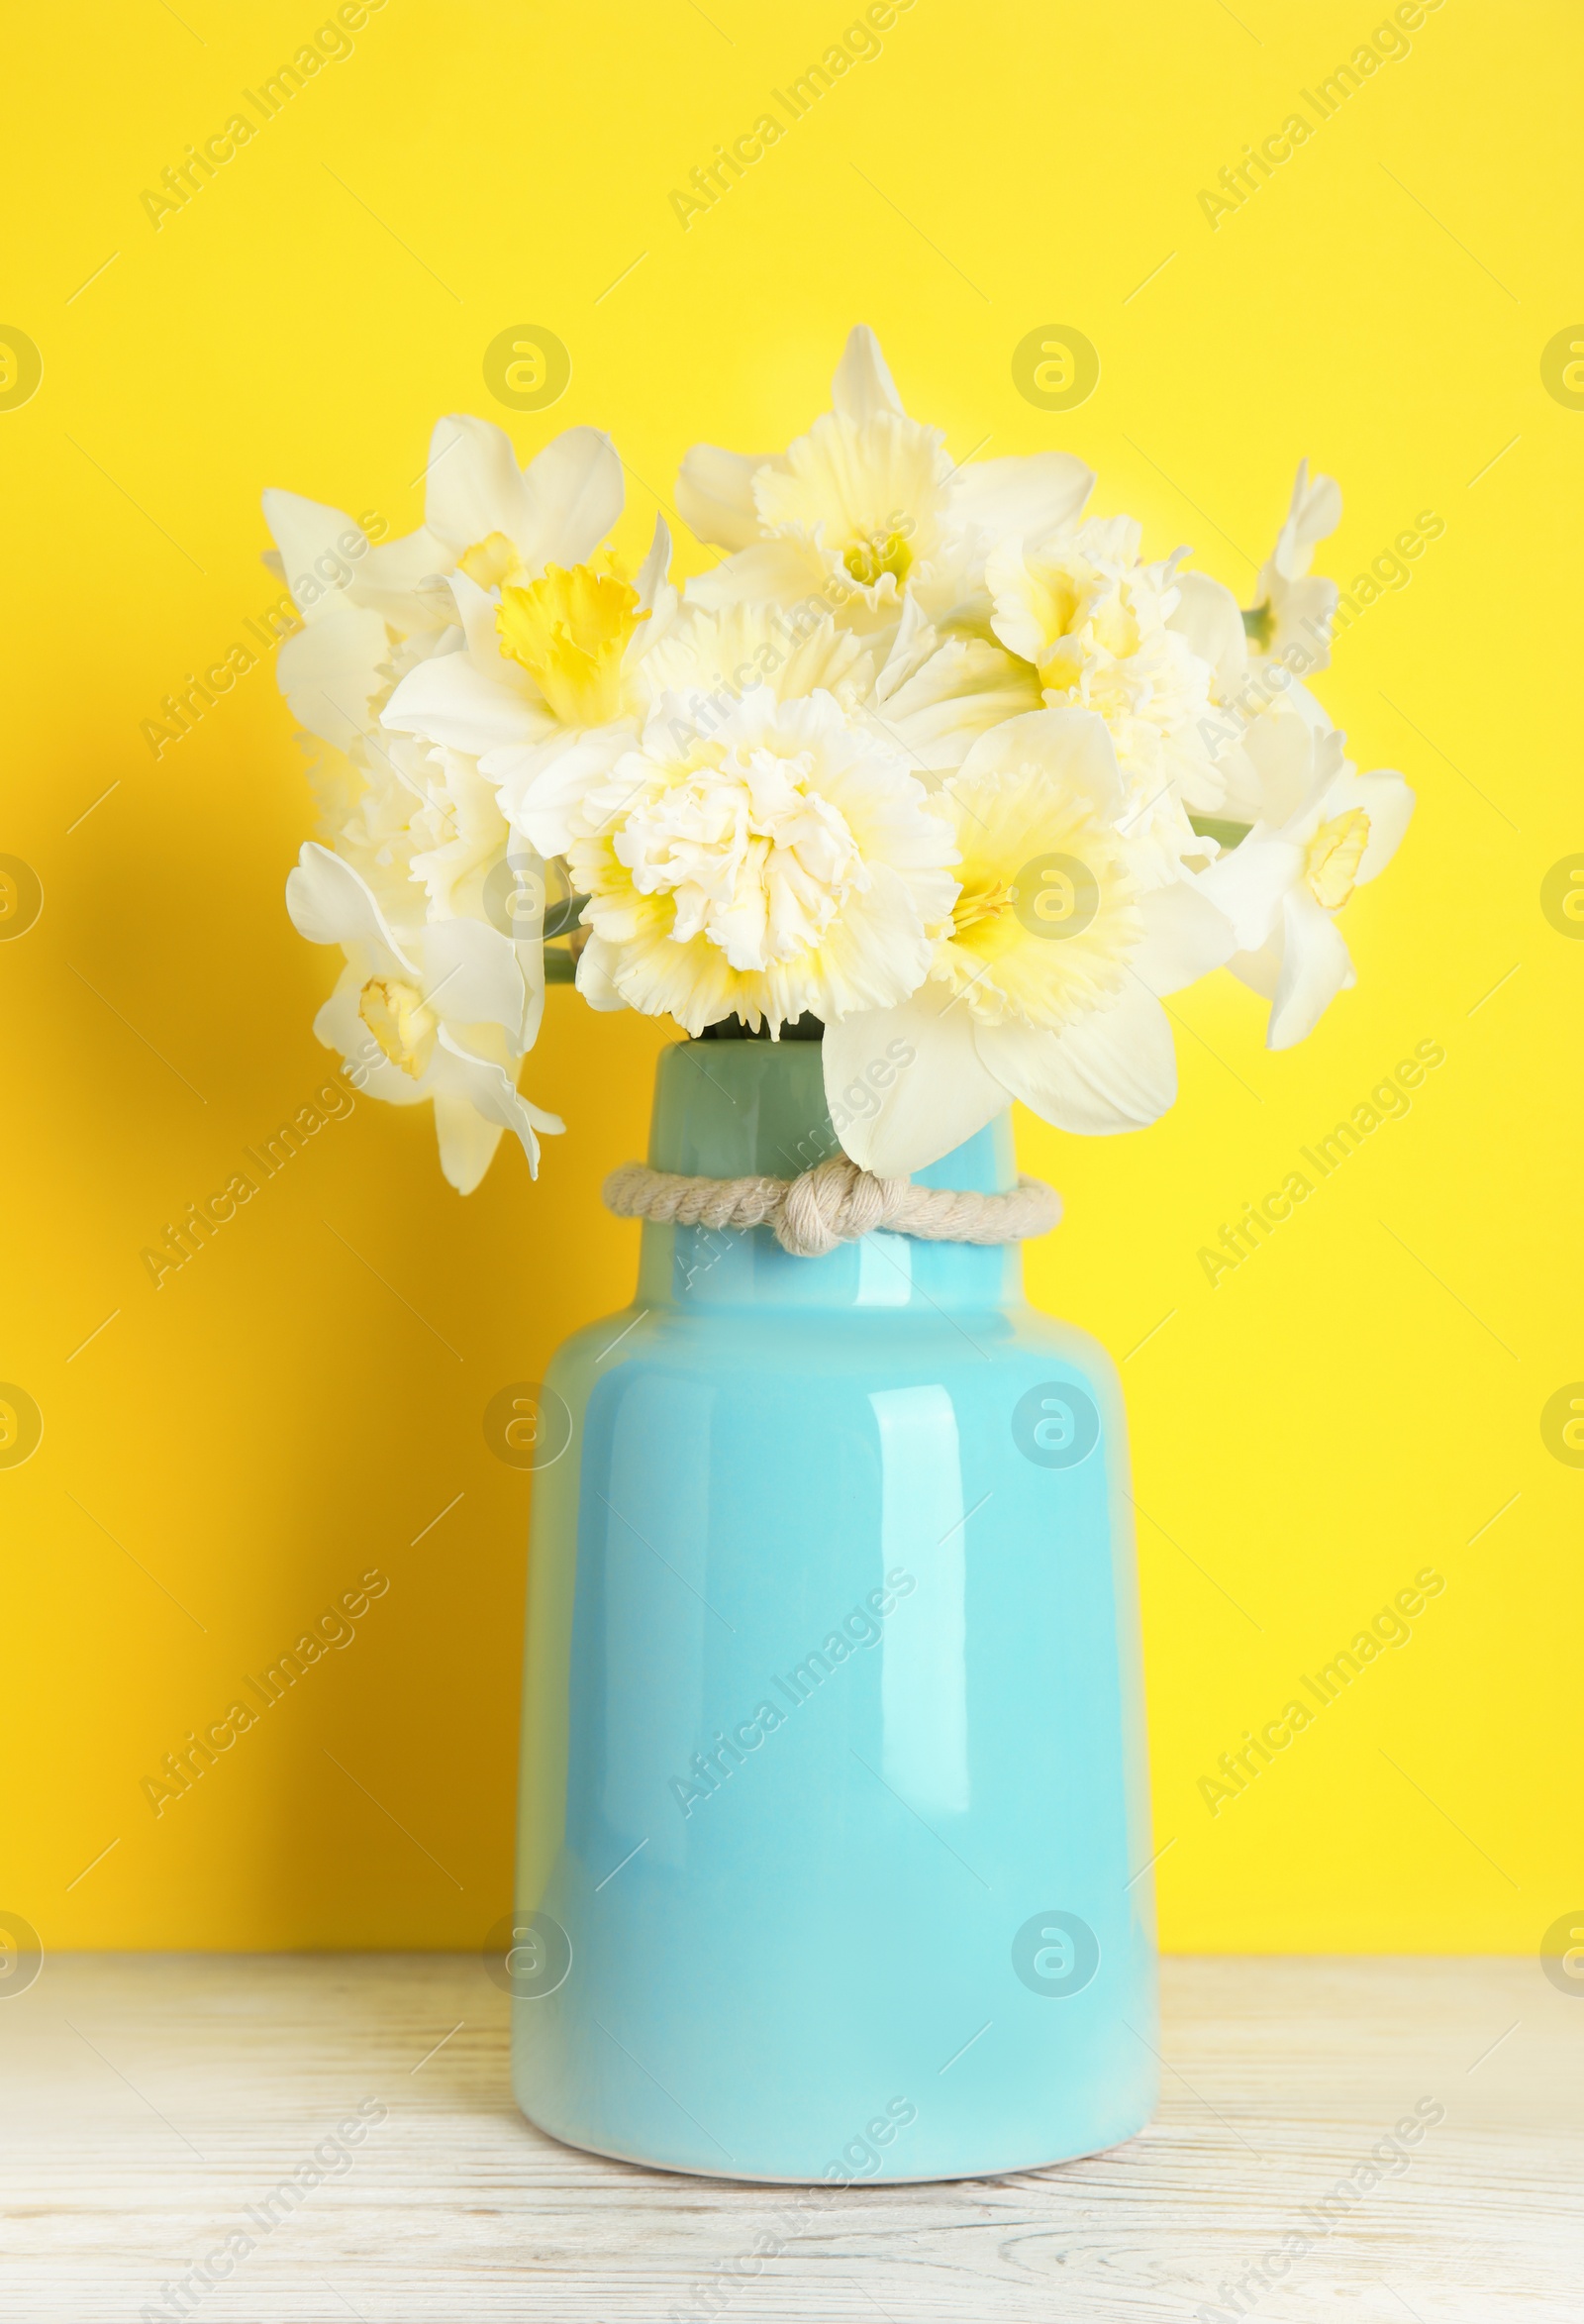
570	631
781	863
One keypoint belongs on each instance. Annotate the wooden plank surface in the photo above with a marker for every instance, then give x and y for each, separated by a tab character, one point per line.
153	2100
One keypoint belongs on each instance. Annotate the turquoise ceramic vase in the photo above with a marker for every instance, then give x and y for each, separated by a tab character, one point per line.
833	1824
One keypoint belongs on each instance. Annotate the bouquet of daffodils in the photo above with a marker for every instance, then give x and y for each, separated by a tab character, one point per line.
928	763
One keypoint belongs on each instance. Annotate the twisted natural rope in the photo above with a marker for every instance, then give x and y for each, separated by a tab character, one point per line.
835	1202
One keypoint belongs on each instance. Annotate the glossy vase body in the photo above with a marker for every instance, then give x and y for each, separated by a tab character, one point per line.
833	1820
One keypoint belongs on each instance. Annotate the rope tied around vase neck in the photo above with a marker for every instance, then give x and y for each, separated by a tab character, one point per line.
835	1202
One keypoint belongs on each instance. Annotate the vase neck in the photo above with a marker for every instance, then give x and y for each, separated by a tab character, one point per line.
737	1109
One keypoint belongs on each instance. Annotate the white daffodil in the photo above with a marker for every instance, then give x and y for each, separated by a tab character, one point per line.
927	756
1324	829
1290	623
1207	618
1258	659
867	507
369	610
552	640
438	1010
410	806
1292	606
369	614
1044	978
785	862
1098	629
421	827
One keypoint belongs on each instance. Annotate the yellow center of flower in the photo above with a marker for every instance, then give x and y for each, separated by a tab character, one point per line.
1335	854
874	553
1059	602
986	898
569	631
1110	626
1045	918
396	1016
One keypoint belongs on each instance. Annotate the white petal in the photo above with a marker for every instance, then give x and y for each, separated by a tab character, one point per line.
715	493
594	981
531	960
1328	764
1249	883
863	387
652	571
904	1085
962	689
528	939
540	791
1011	590
782	571
488	1087
1281	751
1185	937
1029	495
1243	800
915	641
1207	615
305	531
475	486
330	672
477	610
466	1141
472	975
1299	491
448	699
1113	1069
1314	511
396	567
330	903
1302	614
1315	967
1075	747
575	493
1261	971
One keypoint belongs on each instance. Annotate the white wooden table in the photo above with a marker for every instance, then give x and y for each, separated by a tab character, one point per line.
152	2101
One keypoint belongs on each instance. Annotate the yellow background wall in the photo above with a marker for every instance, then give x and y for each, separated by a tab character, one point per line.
1360	1399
